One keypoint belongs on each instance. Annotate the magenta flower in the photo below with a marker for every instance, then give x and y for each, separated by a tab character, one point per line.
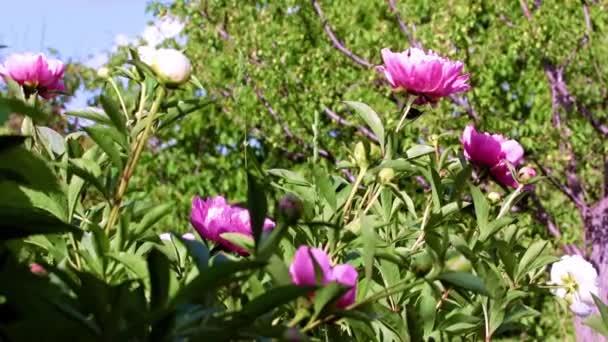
346	275
424	74
303	272
213	216
302	269
35	72
493	151
487	150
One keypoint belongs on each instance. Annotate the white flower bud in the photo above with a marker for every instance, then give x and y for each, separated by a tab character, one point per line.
103	72
172	66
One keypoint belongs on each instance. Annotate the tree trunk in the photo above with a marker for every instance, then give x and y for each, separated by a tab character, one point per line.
596	235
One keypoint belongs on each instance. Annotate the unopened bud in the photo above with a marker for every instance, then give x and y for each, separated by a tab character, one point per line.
458	264
526	173
170	65
293	335
103	72
290	208
386	175
494	197
375	152
360	155
37	269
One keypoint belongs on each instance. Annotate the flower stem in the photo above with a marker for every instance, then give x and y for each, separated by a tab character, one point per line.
507	206
133	159
351	196
408	106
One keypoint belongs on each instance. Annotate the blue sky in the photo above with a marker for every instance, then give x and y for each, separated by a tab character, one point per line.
76	28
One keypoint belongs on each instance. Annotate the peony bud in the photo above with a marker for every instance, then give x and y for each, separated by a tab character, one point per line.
494	197
37	269
526	173
386	175
290	208
172	66
103	72
360	155
375	152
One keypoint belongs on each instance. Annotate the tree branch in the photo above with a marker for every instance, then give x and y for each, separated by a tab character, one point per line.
335	41
337	118
403	25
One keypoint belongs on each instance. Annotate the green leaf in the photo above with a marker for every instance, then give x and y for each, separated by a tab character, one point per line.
270	245
325	188
327	295
289	176
92	114
152	216
278	270
418	151
481	211
163	281
13	105
371	118
198	251
22	222
494	226
113	112
100	135
597	324
272	299
241	240
466	281
426	309
369	246
24	167
52	140
88	171
602	308
257	206
134	263
533	252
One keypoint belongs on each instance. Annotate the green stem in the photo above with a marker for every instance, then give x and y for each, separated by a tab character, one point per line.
133	159
408	106
76	254
507	206
120	99
353	191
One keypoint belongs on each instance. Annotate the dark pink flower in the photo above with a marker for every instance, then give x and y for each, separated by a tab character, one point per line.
346	275
35	72
302	269
493	151
424	74
304	272
213	216
37	269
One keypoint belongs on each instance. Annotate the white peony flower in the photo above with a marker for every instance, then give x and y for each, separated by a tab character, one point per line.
576	279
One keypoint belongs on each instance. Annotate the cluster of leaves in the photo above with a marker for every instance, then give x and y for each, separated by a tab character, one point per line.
435	262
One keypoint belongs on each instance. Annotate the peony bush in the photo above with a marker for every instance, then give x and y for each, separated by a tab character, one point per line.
400	241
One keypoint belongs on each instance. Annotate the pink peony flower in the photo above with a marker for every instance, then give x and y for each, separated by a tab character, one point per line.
37	269
424	74
493	151
346	275
302	269
303	272
35	72
213	216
